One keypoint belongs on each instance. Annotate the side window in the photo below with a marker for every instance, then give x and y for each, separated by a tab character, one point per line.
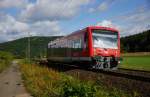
77	43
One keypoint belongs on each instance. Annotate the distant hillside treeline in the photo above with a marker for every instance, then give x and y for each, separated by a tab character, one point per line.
19	47
136	43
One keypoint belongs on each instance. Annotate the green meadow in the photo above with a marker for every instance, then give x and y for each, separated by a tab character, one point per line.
139	62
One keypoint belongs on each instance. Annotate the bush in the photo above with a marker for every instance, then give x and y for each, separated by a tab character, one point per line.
5	59
5	56
78	89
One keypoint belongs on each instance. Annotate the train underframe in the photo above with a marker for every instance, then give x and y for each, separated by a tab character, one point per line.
98	62
105	63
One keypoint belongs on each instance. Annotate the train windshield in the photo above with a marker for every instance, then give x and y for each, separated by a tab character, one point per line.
105	39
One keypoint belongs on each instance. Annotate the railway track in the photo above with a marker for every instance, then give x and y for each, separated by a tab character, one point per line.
138	75
129	74
135	70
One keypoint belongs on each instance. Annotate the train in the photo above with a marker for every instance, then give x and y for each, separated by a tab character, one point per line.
94	47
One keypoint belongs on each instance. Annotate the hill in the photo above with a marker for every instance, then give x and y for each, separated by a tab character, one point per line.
19	47
136	43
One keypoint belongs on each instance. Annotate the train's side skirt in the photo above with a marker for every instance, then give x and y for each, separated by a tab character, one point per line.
96	62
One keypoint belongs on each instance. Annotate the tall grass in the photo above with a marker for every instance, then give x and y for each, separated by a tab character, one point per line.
41	81
5	60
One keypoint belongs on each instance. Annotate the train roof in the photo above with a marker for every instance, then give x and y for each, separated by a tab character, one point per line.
78	31
93	27
102	27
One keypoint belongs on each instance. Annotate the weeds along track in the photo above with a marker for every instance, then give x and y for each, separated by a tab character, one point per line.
127	80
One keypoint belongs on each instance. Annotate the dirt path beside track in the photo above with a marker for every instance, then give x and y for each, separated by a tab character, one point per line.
11	83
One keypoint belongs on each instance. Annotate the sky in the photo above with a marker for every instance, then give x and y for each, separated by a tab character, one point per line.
62	17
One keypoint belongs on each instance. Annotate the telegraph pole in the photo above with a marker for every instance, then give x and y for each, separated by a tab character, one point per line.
29	56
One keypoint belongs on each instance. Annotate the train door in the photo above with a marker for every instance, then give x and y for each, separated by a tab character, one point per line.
85	45
69	47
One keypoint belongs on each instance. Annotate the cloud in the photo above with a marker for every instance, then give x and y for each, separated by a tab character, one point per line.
102	6
13	3
91	10
105	23
11	29
40	18
135	21
52	10
9	24
130	24
108	23
45	28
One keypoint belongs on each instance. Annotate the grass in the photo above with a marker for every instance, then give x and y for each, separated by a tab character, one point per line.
139	62
5	59
44	82
3	66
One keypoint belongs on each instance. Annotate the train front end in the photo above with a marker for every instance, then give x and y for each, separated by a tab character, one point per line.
105	48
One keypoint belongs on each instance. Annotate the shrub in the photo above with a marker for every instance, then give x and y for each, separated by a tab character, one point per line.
5	59
74	88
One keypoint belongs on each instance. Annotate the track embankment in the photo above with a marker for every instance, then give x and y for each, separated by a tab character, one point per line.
129	81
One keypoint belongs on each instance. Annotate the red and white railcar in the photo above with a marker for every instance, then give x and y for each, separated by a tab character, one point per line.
95	47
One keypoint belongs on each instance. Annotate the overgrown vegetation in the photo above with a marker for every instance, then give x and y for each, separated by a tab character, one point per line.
5	59
43	82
